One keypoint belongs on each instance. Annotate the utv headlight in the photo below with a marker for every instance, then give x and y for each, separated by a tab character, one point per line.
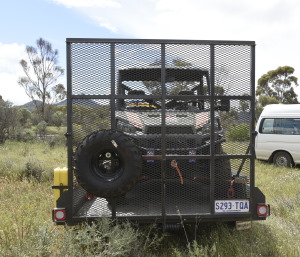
205	129
130	129
126	127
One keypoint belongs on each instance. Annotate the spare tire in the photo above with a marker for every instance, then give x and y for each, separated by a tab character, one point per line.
107	163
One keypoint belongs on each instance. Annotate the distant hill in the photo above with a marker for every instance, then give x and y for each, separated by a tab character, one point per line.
30	106
86	102
61	103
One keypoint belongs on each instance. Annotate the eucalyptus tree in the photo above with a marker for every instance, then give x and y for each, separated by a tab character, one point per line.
41	74
278	84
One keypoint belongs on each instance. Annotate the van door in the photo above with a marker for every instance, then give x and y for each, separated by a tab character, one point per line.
264	138
278	134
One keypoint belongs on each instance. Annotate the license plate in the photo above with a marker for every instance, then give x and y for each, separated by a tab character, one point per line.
150	153
192	152
228	206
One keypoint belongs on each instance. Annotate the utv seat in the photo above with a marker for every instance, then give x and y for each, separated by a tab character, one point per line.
186	92
136	92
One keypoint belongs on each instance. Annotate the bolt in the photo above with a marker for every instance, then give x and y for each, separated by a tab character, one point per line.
108	155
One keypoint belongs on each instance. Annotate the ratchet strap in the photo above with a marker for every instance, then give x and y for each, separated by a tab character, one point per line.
230	192
174	165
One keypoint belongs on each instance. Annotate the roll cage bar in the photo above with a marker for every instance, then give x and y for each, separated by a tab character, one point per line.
154	74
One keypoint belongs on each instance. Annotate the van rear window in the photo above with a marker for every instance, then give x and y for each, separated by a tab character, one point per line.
286	126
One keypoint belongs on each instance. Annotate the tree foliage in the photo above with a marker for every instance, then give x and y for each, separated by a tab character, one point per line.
239	133
244	104
8	119
41	74
154	87
4	119
18	123
278	85
264	100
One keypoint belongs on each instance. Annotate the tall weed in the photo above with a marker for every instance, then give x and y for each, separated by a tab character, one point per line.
19	160
26	228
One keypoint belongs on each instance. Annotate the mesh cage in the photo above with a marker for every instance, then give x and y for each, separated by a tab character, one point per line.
183	108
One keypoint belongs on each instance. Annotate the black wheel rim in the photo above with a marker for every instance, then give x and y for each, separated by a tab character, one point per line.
107	164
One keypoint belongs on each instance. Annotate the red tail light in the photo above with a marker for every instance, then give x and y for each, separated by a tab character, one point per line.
89	196
59	214
263	210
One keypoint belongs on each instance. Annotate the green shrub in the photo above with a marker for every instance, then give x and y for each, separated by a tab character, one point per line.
57	140
32	172
25	136
41	129
79	134
239	133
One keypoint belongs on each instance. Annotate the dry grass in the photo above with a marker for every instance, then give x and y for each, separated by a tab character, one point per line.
26	228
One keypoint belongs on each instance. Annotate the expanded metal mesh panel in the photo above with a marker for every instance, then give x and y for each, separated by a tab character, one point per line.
89	115
242	182
233	69
185	57
90	69
237	127
222	178
159	96
188	192
86	205
130	58
143	200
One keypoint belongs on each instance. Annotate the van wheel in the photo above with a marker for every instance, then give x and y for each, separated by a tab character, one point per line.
282	159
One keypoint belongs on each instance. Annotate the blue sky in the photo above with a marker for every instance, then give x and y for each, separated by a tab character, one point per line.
273	24
23	21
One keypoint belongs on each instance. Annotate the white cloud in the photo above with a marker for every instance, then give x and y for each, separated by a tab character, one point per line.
10	71
10	55
102	22
273	24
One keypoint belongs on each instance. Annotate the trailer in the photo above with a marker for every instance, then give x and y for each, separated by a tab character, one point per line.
150	132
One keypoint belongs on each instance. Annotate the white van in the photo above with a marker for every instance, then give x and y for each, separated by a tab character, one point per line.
278	134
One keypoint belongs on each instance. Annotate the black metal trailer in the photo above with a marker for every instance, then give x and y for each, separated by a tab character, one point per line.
181	183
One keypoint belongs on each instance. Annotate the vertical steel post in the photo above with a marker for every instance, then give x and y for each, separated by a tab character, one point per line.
113	109
69	128
163	134
212	124
252	125
113	86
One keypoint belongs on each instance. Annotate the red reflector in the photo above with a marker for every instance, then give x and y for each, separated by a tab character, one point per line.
59	214
89	196
262	210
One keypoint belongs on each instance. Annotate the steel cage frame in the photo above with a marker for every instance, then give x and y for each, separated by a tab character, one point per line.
112	97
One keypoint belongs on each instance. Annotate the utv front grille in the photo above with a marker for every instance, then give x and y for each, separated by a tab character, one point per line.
172	142
170	130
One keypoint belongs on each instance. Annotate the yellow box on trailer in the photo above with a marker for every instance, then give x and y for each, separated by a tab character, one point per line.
60	179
